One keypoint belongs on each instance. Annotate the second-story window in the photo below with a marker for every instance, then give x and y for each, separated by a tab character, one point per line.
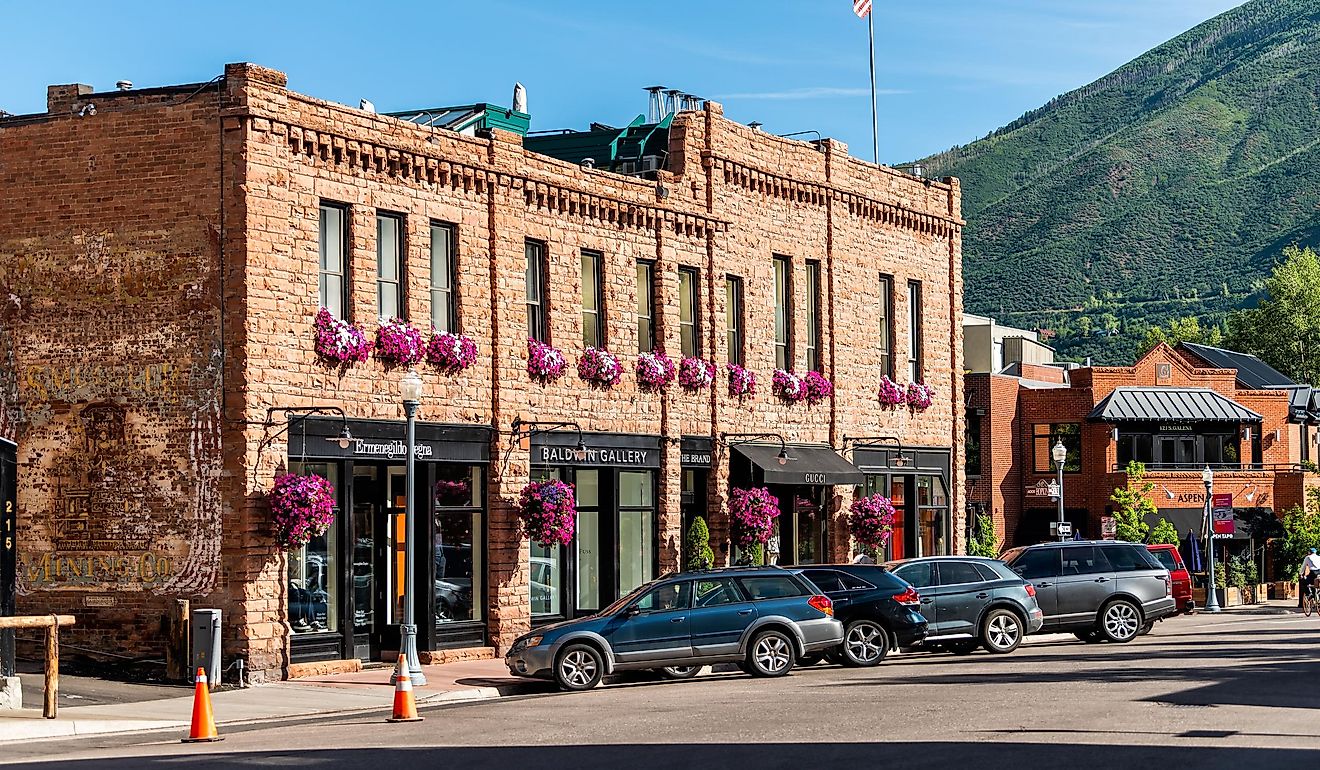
783	313
645	306
886	324
444	314
333	261
689	334
534	274
593	315
916	368
733	318
813	316
389	266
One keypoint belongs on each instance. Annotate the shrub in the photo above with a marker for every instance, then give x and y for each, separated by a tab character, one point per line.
1131	505
697	553
1164	533
1301	532
983	541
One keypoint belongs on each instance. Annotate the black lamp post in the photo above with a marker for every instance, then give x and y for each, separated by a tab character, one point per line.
411	389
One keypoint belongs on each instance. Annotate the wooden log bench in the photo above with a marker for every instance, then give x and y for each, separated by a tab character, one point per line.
52	625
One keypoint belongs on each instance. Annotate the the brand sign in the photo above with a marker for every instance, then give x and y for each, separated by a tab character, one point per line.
390	450
701	459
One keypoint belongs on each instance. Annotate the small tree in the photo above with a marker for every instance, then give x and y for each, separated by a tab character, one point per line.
696	550
1301	532
1164	533
983	541
1132	504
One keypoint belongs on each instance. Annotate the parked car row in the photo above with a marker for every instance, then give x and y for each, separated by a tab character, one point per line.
769	619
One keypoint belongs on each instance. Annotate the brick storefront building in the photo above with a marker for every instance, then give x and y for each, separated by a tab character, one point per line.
165	252
1176	410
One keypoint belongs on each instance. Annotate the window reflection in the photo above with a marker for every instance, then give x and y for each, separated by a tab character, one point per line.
458	517
313	593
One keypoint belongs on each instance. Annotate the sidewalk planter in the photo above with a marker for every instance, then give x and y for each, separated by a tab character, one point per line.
1283	590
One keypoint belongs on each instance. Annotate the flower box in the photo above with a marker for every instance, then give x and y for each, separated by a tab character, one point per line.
788	386
892	394
919	396
339	342
599	368
545	364
742	382
818	388
655	371
398	343
451	353
696	374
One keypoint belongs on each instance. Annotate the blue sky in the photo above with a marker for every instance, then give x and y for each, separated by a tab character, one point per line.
949	71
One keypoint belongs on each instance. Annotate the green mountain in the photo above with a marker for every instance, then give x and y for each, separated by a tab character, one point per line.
1166	188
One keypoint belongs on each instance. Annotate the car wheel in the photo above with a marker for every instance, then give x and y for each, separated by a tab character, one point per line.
811	659
962	648
865	644
679	672
1146	629
770	654
1120	620
1001	631
579	667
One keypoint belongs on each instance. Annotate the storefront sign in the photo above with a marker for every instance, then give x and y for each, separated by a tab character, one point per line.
47	569
1108	527
617	450
696	452
1183	428
1043	488
390	450
554	455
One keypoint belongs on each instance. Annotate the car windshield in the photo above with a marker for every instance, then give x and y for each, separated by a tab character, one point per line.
628	598
1166	559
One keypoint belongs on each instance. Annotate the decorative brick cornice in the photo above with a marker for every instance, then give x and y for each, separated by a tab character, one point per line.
813	193
421	169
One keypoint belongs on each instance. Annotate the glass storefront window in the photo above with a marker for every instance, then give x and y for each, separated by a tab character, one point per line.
636	529
547	581
313	588
932	515
458	514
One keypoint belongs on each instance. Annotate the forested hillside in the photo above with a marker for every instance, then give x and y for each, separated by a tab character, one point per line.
1165	189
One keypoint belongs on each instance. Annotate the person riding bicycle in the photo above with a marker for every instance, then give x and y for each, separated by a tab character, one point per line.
1310	576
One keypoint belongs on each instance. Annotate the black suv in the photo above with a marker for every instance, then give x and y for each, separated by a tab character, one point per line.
878	611
1104	590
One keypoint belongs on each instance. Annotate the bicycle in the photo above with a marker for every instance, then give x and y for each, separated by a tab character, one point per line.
1311	601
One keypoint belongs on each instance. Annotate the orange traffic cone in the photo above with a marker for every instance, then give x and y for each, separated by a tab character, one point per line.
203	721
405	708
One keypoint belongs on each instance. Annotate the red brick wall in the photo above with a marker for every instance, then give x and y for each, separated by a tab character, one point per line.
731	198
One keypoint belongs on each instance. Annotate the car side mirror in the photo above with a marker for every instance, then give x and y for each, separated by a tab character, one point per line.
632	611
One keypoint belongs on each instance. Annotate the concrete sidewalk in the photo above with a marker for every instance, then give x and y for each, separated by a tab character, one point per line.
360	692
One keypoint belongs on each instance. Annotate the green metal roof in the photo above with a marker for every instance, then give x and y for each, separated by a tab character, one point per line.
468	118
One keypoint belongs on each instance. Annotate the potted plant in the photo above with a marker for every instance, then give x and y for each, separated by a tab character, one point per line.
871	522
892	395
599	368
654	371
817	387
752	514
696	374
742	382
301	508
545	364
338	342
919	396
697	553
451	353
548	512
398	343
788	386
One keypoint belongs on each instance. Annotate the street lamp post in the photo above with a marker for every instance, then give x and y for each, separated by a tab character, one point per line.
1211	601
1060	455
410	388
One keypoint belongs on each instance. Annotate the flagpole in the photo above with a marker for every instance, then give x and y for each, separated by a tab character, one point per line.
875	135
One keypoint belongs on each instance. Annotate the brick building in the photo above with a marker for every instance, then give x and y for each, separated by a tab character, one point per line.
1176	410
165	253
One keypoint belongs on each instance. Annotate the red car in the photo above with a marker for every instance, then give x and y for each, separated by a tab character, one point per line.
1182	580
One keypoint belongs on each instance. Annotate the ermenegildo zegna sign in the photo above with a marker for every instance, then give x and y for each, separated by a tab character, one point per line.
384	441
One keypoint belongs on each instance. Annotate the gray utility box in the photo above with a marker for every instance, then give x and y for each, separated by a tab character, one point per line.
205	652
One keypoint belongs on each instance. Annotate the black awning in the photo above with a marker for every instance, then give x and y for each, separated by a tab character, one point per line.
1170	404
805	465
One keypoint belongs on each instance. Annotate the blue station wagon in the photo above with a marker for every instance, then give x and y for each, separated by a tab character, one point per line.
763	618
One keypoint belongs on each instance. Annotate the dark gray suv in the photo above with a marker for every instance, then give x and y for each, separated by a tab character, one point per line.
1103	590
970	602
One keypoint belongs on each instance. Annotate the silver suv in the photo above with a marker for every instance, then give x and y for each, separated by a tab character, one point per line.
1103	590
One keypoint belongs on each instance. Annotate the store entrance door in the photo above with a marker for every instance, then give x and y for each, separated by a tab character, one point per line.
379	539
802	531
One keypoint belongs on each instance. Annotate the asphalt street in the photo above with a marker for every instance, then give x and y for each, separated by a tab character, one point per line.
1233	691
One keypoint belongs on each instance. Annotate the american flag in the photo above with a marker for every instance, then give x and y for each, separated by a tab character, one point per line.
861	8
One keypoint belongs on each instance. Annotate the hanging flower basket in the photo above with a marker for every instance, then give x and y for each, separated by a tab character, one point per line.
339	342
752	514
544	363
817	388
871	520
451	353
599	367
398	343
548	511
696	374
891	393
654	371
301	508
788	386
919	396
742	382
